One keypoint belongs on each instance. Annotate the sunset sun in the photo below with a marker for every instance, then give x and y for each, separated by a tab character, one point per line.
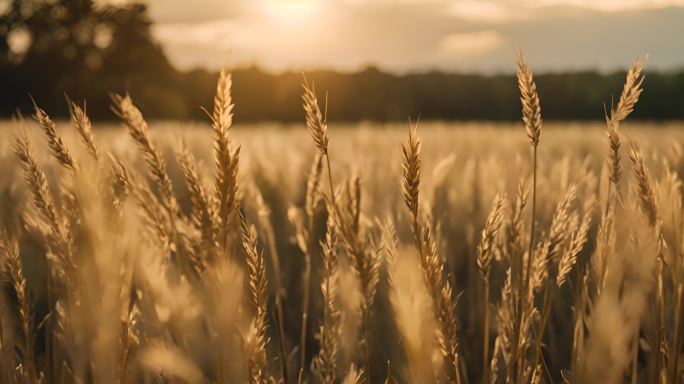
290	11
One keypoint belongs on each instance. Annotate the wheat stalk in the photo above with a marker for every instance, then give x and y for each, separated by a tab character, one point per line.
531	109
315	122
569	256
431	265
10	251
325	363
137	127
226	159
645	192
365	257
484	257
202	213
491	229
57	146
307	236
628	98
59	238
531	112
84	128
256	269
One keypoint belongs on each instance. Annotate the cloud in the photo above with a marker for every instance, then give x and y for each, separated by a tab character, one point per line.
486	11
472	44
418	35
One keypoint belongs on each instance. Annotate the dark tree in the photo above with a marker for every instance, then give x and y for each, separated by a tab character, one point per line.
48	48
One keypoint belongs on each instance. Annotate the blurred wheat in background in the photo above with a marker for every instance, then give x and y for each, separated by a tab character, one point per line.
221	255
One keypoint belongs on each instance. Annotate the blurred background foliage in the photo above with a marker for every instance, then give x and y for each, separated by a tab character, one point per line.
49	48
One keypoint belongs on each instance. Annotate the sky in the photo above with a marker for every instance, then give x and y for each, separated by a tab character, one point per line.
473	36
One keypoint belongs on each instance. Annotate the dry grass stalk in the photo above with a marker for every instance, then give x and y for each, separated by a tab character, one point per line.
305	236
364	255
411	176
84	128
57	146
645	195
628	99
530	101
59	236
489	233
516	234
154	216
630	94
531	112
431	264
575	245
226	159
202	210
10	258
315	121
137	127
313	186
121	183
484	257
264	217
644	192
324	365
257	339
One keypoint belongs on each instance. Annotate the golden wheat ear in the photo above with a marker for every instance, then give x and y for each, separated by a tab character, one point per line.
315	122
530	101
84	127
226	161
138	129
57	147
630	93
628	98
411	171
9	256
201	212
432	268
258	338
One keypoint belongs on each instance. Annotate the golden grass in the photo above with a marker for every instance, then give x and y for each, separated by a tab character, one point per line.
184	264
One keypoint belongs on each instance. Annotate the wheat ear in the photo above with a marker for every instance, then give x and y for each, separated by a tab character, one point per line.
431	264
57	146
10	251
202	214
628	99
315	122
226	159
137	127
485	252
84	128
256	269
531	114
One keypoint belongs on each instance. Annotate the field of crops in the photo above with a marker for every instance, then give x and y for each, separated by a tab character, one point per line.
405	253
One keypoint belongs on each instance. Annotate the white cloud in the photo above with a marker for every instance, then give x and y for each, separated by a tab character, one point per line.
606	5
415	35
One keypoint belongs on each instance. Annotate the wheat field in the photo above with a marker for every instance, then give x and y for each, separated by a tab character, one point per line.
400	253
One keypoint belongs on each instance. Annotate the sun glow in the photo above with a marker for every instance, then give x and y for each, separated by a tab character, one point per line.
291	11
